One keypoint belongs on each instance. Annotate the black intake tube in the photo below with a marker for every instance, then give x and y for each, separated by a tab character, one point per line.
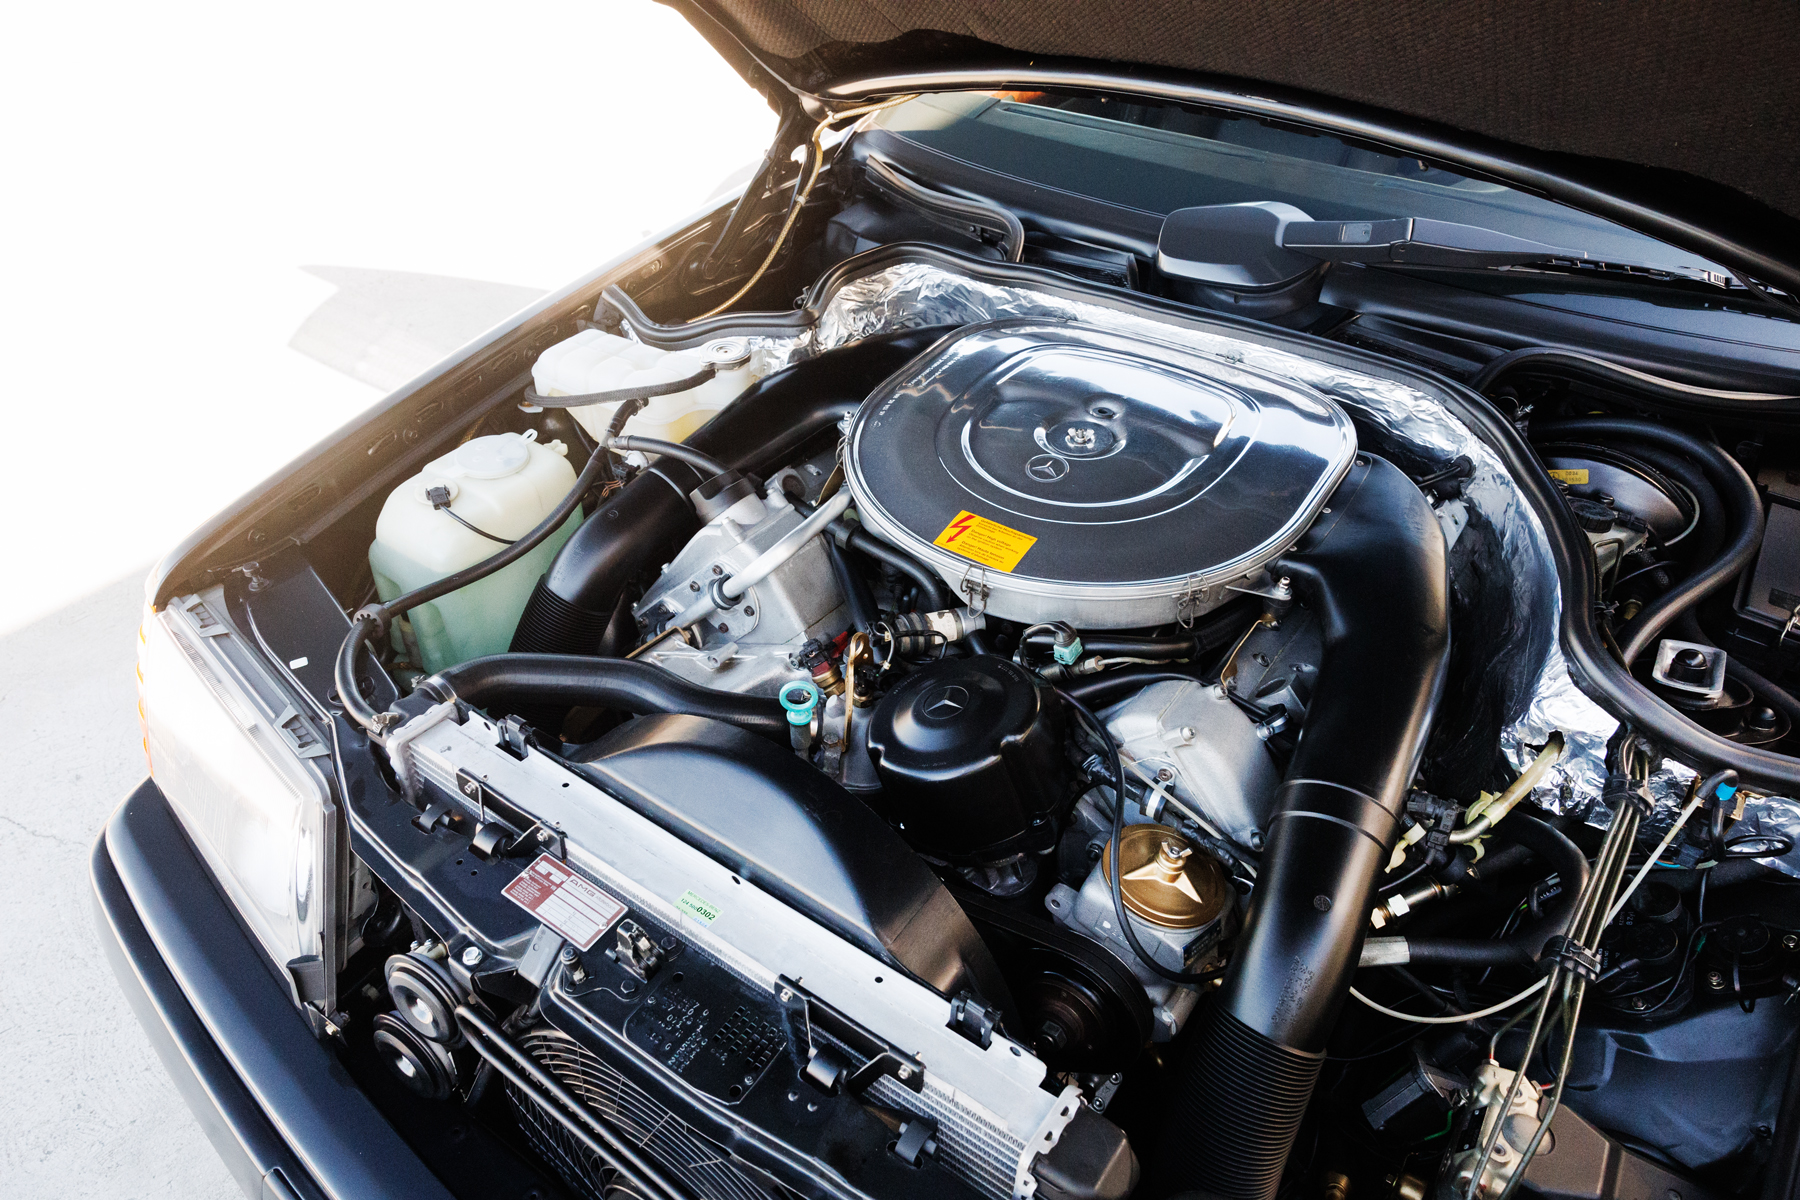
757	433
616	683
574	600
1373	570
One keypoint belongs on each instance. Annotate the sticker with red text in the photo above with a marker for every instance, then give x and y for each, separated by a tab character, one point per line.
564	901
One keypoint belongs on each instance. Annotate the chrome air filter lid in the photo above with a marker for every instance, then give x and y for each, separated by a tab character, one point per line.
1091	477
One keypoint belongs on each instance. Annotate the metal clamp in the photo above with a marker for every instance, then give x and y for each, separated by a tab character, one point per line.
975	589
829	1068
1192	600
1571	954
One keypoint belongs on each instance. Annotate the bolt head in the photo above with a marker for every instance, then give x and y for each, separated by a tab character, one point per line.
568	954
472	956
1791	942
1189	733
1714	979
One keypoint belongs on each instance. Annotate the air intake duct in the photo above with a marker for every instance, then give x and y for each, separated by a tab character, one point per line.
1372	568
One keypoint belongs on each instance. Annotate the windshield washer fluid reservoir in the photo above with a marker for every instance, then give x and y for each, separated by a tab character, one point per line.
503	485
593	361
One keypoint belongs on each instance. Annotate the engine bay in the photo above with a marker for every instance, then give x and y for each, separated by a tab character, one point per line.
986	733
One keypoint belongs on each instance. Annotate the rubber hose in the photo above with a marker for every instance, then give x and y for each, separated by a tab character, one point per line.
1711	529
1736	490
856	592
499	680
930	586
708	466
1669	391
1161	649
1110	687
1373	571
1554	849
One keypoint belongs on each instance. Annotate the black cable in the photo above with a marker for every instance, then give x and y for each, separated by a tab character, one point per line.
856	592
440	502
1779	844
1424	864
1109	645
640	393
1112	851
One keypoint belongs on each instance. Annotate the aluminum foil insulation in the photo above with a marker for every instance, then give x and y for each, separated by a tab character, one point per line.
1540	694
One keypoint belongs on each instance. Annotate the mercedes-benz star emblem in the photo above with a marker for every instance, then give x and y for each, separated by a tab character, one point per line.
946	702
1047	468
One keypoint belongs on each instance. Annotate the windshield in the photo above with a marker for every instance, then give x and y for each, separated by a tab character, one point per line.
1156	158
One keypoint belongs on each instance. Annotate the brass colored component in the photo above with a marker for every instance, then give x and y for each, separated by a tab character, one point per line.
1163	881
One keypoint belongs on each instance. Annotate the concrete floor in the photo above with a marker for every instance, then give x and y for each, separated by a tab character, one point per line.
171	344
87	1109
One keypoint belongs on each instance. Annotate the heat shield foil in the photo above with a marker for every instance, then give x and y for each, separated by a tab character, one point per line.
1409	422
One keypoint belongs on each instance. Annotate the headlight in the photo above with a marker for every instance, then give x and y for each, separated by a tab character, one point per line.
242	769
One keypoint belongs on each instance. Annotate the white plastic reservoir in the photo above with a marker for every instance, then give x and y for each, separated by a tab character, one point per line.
593	361
503	485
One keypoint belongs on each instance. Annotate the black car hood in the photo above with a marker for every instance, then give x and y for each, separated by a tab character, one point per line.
1674	107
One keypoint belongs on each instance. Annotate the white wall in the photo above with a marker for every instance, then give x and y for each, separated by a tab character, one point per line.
170	170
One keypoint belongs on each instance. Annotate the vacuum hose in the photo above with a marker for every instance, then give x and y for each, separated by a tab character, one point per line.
1372	569
1552	848
1727	478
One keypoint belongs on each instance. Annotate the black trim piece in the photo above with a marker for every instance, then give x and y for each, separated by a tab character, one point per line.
261	1079
229	1116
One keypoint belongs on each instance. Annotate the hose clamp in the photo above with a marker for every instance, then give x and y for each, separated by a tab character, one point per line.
1568	953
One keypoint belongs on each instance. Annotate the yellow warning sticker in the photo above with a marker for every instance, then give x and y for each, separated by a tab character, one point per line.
987	542
1572	475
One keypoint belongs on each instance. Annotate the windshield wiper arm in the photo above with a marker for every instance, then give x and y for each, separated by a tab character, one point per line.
1266	243
1417	240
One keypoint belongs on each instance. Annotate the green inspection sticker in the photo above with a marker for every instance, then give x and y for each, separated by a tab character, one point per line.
696	907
